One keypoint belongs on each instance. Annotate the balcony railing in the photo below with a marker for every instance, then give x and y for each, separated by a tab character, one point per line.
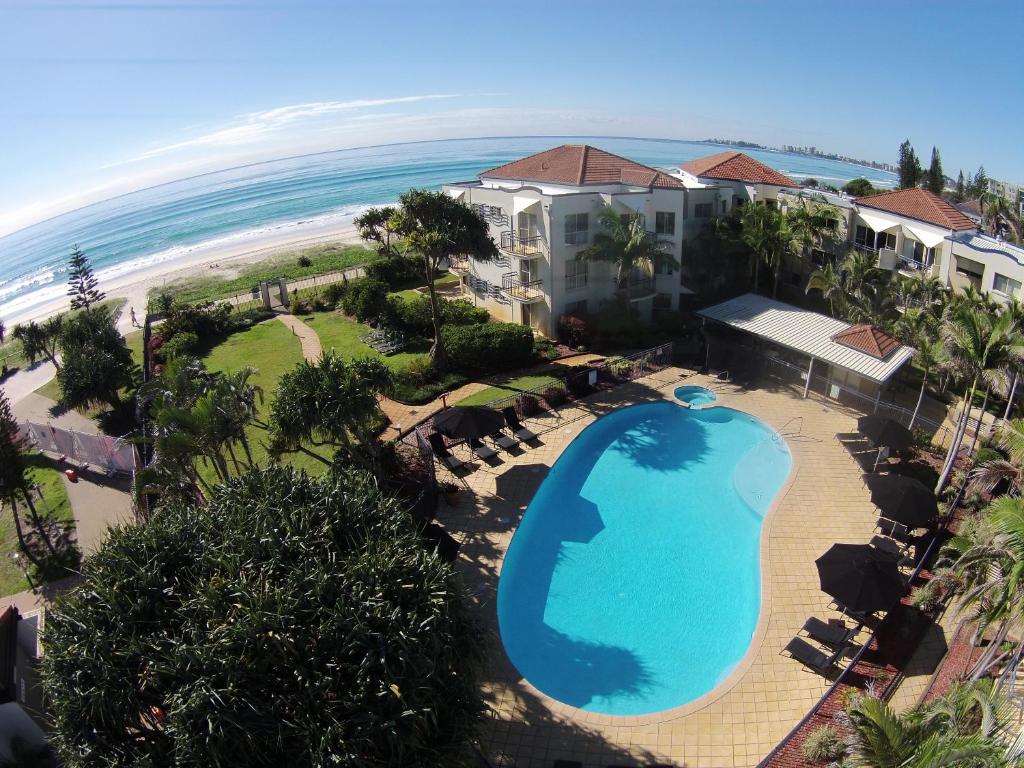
458	265
636	287
524	247
912	264
495	214
514	287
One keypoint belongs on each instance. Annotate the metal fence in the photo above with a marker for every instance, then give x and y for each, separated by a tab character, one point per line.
307	286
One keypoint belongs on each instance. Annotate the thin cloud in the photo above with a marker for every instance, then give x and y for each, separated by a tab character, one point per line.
253	126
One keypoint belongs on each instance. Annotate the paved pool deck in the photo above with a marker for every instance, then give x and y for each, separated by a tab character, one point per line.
739	722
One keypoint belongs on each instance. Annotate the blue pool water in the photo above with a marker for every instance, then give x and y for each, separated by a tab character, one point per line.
695	396
633	582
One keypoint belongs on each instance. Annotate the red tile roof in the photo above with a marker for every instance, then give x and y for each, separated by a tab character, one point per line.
867	339
582	165
736	166
919	204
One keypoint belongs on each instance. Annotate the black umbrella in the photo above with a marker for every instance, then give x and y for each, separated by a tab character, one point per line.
468	421
861	578
884	431
903	499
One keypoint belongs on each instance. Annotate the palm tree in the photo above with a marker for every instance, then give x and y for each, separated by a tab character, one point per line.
988	474
884	739
237	401
982	347
862	272
624	242
766	233
810	223
829	281
997	212
13	481
929	354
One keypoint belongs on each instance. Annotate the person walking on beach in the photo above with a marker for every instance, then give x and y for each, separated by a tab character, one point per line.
135	321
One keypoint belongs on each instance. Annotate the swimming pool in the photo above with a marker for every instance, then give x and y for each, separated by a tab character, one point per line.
695	396
632	584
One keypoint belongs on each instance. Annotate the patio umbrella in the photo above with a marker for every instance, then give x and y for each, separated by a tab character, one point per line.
884	431
861	578
468	421
903	499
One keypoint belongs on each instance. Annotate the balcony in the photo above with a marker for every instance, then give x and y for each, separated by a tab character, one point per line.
523	247
494	214
636	287
907	264
458	265
515	288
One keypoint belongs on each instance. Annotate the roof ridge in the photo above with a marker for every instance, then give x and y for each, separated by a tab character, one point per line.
583	164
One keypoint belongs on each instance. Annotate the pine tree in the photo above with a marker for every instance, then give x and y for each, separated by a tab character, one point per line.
81	282
909	166
979	184
961	189
935	181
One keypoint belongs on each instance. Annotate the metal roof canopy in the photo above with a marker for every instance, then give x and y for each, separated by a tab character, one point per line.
801	330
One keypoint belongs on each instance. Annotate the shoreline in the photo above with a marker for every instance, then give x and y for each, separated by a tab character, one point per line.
212	260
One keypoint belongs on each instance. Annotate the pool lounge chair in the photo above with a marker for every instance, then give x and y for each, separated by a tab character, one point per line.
512	419
835	636
481	450
811	657
504	441
441	451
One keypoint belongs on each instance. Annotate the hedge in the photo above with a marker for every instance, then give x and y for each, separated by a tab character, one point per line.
490	347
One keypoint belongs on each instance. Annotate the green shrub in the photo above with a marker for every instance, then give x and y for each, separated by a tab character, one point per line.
544	349
619	367
320	305
204	320
410	387
823	745
335	292
489	347
413	315
555	396
926	597
396	272
365	299
305	261
987	453
180	345
300	307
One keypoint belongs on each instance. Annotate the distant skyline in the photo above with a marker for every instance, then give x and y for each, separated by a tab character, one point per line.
101	98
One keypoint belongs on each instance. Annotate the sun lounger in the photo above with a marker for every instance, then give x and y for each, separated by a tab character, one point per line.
833	635
441	451
504	441
811	657
481	450
512	419
893	530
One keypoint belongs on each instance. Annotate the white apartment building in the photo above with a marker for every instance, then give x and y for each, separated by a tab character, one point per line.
990	264
542	211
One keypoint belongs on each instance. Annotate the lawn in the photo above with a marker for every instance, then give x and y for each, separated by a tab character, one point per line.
55	500
440	282
341	333
323	259
512	386
272	349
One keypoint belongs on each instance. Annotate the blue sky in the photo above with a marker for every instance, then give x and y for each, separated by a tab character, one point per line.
99	98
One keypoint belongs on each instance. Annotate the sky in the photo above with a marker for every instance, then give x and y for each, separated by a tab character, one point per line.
101	98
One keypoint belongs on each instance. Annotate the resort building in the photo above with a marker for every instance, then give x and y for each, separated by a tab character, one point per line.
732	179
989	264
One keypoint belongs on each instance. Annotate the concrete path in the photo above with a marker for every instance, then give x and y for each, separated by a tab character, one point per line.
27	380
42	410
311	348
97	507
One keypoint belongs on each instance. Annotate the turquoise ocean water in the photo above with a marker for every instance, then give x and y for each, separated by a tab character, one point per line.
632	584
162	223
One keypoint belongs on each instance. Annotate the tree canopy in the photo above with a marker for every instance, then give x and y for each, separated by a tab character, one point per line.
934	180
290	621
859	188
909	166
82	283
96	362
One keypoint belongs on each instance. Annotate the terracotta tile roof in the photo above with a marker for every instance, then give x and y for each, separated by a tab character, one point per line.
867	339
736	166
919	204
582	165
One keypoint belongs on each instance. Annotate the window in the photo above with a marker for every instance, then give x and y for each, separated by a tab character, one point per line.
575	274
923	255
885	240
703	211
662	303
1005	285
576	308
722	211
864	236
577	228
769	203
665	223
970	267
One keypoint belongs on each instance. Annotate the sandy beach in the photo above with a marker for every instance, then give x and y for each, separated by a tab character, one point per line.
214	259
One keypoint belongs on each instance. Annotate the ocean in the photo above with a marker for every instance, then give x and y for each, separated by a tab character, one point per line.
166	222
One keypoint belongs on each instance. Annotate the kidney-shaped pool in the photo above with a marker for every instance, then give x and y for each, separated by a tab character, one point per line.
633	582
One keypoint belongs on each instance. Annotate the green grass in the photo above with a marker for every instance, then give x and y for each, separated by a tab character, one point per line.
342	334
55	500
412	293
324	258
512	386
272	349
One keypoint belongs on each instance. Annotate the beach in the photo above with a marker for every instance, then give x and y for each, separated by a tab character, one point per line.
218	259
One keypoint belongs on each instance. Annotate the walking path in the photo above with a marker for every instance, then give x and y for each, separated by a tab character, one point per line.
311	348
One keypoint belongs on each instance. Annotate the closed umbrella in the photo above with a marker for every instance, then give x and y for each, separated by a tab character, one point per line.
468	422
883	431
861	578
903	499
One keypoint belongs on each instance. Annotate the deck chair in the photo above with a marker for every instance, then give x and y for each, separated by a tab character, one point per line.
512	419
441	451
481	450
811	657
504	441
833	635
